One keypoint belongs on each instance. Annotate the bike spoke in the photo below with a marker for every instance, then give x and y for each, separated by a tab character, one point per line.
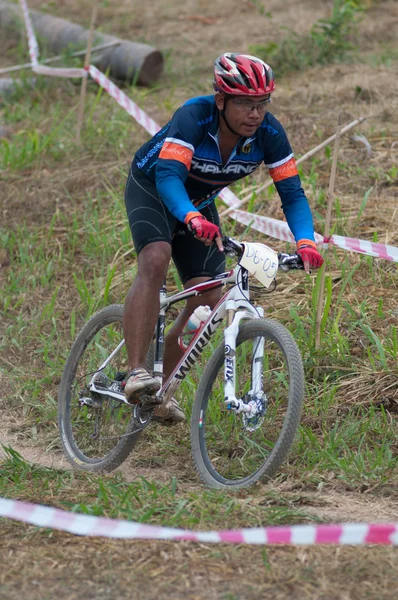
97	428
233	450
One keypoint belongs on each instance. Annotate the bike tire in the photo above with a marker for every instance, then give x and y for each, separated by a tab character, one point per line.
207	466
76	455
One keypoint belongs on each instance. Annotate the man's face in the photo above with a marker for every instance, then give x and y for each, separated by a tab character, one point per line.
244	113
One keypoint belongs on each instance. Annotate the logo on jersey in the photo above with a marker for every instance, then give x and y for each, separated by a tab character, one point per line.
284	171
246	148
235	168
173	149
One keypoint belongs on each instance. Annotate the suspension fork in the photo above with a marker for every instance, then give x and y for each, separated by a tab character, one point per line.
230	334
234	317
257	362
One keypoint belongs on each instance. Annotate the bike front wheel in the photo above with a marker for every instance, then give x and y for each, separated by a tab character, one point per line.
97	430
231	450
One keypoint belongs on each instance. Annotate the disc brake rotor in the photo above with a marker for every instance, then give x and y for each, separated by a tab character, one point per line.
252	421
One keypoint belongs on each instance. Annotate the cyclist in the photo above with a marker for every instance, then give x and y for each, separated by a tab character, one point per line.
210	142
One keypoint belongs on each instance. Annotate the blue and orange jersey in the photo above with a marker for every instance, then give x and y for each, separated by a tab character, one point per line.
184	161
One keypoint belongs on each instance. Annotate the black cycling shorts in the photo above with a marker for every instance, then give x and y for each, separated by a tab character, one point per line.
151	221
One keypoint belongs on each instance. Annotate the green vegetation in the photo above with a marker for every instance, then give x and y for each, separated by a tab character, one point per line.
144	500
329	40
66	251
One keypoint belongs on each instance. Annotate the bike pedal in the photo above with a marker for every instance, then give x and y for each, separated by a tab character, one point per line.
149	402
144	400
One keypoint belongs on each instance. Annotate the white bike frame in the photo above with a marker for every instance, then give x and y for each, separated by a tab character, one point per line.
235	305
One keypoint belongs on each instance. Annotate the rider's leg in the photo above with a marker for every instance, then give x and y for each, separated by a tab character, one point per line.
171	413
141	307
152	226
195	263
173	352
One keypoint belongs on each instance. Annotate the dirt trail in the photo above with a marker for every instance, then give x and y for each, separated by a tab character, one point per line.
54	459
328	505
42	565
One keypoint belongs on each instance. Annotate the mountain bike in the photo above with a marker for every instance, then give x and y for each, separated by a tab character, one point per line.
249	398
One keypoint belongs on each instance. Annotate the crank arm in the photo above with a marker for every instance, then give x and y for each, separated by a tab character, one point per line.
115	395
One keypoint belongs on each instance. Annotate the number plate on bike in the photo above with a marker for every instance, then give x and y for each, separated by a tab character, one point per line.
261	261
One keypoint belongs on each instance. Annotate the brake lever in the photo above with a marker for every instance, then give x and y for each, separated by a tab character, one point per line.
290	261
231	247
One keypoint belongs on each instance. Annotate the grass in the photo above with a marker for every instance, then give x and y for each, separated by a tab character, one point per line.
329	40
352	326
65	251
144	500
73	255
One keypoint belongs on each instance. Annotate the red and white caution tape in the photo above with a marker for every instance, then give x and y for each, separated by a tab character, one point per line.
87	525
229	197
34	52
365	247
124	101
272	227
116	93
267	225
280	230
32	42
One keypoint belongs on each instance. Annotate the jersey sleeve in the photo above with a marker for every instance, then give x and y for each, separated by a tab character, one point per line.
282	167
174	161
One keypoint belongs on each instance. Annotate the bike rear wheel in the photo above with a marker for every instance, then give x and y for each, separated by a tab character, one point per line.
97	431
226	452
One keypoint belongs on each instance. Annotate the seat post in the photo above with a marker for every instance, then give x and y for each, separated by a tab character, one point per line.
159	335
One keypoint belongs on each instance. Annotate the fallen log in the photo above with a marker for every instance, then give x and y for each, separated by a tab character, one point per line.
47	61
9	86
126	60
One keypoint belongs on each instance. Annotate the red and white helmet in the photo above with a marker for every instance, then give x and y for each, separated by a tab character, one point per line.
243	75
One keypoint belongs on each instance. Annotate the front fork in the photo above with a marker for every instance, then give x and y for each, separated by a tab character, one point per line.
234	317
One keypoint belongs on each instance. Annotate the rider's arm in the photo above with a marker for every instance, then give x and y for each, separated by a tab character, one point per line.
174	162
282	167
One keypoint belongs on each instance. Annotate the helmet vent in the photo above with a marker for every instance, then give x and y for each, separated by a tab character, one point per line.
243	75
246	79
257	77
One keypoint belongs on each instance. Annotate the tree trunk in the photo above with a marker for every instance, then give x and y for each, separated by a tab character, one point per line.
127	61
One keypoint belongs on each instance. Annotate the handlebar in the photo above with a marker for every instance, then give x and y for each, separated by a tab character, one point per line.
290	261
231	246
286	261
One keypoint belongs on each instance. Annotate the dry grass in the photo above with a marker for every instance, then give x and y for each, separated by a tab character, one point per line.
101	569
39	564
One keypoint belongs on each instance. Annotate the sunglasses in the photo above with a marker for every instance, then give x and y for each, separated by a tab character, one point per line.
248	105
